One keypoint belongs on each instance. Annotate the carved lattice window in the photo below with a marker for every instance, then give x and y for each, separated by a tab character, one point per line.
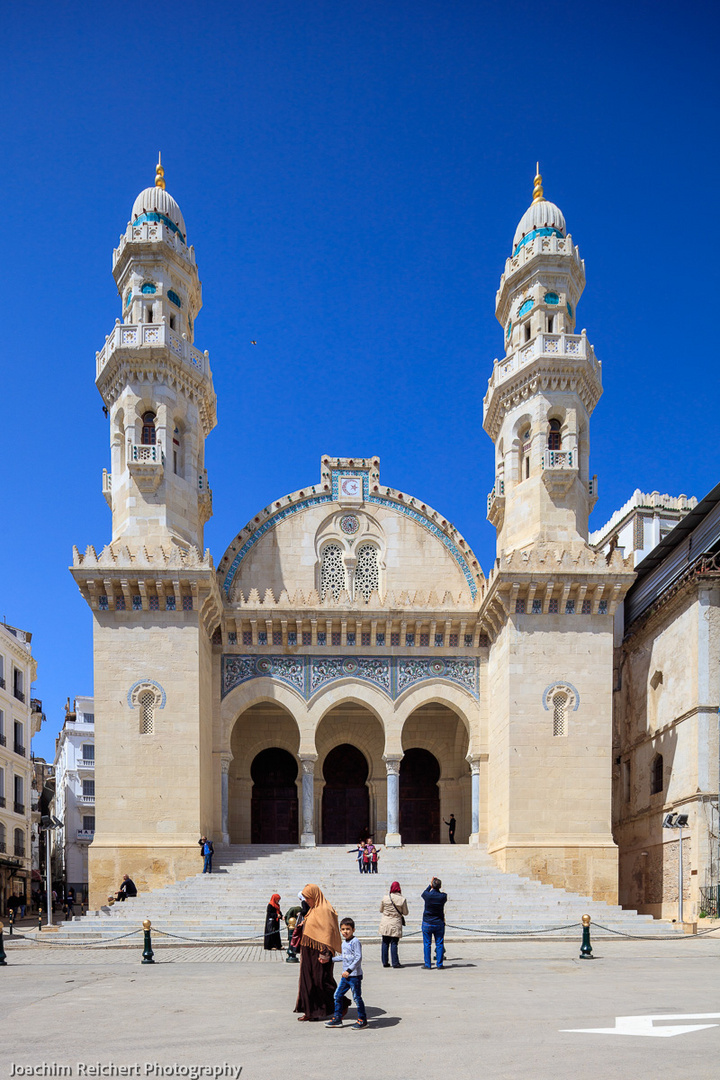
560	714
147	710
367	572
332	572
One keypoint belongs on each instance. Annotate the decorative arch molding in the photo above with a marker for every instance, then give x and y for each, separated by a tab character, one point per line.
348	692
258	692
457	700
564	687
143	686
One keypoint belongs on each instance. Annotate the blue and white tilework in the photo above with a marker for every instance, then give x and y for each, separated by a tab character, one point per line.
392	675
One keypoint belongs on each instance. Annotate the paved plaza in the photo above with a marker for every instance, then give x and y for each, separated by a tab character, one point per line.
497	1011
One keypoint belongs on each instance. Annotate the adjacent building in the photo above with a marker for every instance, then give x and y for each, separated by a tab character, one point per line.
20	718
665	731
75	795
639	526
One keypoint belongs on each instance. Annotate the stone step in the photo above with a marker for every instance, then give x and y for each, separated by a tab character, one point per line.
231	902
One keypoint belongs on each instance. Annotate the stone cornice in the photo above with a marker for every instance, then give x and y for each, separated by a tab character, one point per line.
158	365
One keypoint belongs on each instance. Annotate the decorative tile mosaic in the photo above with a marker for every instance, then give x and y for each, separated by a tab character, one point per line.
394	639
119	603
364	639
468	641
277	637
519	607
410	640
553	607
187	603
453	641
439	641
103	603
335	640
154	602
560	684
137	603
169	603
232	637
537	607
306	637
247	637
292	637
350	639
321	638
379	640
586	607
262	637
569	607
603	607
309	674
349	524
462	672
424	640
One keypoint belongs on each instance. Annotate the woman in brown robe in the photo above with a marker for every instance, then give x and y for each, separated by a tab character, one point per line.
320	941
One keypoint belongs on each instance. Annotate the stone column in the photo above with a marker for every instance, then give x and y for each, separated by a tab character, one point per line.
392	766
307	837
475	760
225	760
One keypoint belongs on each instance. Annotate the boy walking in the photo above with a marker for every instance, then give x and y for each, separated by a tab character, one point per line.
351	958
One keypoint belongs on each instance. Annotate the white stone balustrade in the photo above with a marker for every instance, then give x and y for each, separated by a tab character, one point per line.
559	459
153	232
152	453
151	335
572	346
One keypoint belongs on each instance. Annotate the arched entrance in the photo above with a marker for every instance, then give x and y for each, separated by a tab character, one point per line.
274	805
419	797
345	800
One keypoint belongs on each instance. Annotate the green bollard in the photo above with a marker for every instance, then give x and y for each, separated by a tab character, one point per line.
3	962
39	920
12	921
586	952
147	951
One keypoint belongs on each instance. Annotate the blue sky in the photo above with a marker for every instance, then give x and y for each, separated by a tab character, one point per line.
351	177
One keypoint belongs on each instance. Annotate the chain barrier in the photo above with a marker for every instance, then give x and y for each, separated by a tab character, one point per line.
655	937
45	940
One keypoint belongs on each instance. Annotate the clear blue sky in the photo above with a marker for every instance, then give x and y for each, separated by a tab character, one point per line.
351	176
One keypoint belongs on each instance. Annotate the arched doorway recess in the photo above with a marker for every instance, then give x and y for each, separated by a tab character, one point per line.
345	800
274	804
419	797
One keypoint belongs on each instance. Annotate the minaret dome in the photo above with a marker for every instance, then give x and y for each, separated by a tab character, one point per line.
542	218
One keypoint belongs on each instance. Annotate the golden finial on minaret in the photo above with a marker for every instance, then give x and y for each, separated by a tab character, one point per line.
159	174
538	189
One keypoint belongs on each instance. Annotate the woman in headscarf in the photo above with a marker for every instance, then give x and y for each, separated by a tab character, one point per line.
320	941
272	923
393	908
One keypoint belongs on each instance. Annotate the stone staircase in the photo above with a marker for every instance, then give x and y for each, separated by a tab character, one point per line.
231	903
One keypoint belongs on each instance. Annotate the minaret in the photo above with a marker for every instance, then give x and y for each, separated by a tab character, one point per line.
542	393
155	384
153	590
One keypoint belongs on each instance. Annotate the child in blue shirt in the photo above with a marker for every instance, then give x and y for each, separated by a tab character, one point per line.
352	974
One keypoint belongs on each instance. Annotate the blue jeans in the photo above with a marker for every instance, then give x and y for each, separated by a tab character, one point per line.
207	864
390	943
354	984
430	932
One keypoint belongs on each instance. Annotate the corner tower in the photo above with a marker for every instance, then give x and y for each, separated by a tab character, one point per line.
152	590
541	395
156	386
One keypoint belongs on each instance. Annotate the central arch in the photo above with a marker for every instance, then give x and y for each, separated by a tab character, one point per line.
345	799
274	803
419	797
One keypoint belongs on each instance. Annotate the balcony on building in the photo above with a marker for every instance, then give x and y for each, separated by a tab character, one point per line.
19	694
19	749
86	763
20	850
19	807
2	802
3	740
86	800
3	848
2	683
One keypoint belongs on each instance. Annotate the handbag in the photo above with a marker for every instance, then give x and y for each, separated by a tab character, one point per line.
402	917
296	935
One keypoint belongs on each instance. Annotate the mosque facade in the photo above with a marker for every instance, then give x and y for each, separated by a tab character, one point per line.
347	665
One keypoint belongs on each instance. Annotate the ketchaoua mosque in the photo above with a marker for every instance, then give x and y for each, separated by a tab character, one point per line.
347	664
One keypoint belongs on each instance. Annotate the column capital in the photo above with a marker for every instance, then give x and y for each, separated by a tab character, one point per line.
308	763
225	761
475	761
392	764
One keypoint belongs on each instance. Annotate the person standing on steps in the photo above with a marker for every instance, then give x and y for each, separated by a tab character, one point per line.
207	851
433	923
374	859
360	851
393	908
272	923
451	828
